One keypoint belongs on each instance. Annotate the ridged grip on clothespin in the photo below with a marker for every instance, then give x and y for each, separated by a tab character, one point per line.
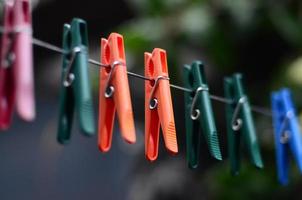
202	116
158	105
82	85
76	91
114	96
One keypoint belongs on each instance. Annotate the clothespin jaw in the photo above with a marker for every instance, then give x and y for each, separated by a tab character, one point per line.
199	114
287	133
240	122
16	73
158	105
76	92
114	93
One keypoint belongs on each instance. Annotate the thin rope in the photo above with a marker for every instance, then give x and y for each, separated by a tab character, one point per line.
46	45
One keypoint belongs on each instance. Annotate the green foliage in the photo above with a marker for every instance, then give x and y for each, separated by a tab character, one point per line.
218	32
251	183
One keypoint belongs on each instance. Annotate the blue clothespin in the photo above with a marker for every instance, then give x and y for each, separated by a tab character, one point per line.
287	133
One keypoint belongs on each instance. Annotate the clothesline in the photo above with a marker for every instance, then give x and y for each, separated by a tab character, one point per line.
46	45
285	123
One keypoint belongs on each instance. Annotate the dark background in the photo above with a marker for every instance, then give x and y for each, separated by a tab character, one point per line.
261	39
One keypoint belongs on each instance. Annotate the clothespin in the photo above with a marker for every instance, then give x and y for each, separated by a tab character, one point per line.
240	123
287	133
199	114
16	72
158	105
114	93
76	90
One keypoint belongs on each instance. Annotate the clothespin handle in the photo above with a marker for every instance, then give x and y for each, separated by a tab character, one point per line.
199	114
287	133
158	105
7	86
67	104
25	97
235	93
76	90
82	85
248	123
114	93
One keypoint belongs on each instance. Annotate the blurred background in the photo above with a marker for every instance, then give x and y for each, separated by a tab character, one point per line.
261	39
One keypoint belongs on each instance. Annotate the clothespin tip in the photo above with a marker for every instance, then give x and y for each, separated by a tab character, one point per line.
257	159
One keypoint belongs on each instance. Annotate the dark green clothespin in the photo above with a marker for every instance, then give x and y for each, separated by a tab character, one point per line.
76	90
240	123
199	114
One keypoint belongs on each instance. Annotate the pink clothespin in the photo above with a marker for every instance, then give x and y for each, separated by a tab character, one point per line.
16	67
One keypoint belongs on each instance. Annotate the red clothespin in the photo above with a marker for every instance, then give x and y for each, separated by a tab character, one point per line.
114	93
16	72
158	105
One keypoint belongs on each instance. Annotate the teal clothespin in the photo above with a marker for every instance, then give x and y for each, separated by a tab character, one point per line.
199	114
240	123
76	90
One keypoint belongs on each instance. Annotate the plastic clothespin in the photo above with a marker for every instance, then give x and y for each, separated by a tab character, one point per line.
76	90
199	114
287	133
16	72
158	105
114	93
240	123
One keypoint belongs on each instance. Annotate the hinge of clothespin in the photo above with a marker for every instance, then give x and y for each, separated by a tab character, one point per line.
76	90
114	93
240	123
16	72
287	133
199	114
158	105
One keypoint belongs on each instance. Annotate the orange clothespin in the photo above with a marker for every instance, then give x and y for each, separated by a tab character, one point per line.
114	93
158	105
